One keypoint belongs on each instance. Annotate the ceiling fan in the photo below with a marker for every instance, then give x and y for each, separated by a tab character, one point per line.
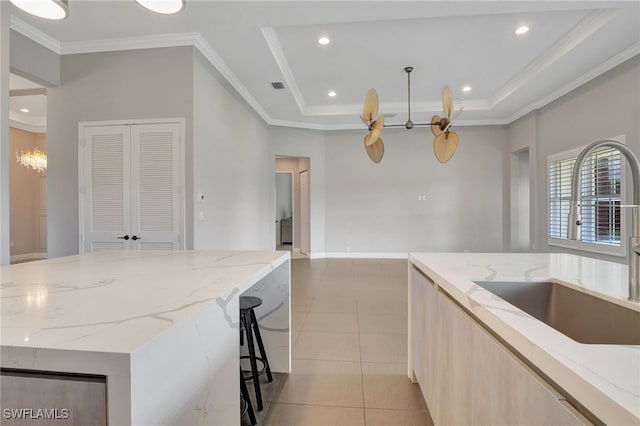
446	141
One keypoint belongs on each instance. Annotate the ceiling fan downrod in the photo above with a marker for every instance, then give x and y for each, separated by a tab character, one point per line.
409	124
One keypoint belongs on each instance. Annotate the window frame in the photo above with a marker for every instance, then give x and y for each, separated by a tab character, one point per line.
587	246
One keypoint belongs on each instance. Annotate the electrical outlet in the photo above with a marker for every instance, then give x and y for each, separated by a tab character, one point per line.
348	249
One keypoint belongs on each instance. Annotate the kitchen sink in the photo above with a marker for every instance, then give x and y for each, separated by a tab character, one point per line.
577	315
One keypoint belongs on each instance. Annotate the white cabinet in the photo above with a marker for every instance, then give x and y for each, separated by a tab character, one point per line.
467	376
131	187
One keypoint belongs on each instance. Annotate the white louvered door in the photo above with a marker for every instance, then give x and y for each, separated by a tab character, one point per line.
155	186
106	195
131	192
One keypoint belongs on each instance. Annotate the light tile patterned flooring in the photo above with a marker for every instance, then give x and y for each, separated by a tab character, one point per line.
349	336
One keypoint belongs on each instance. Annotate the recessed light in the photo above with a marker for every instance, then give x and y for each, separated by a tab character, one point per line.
332	94
24	110
523	29
323	40
466	88
166	7
51	9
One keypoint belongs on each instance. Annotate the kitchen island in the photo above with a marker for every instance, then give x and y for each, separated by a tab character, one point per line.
158	329
481	360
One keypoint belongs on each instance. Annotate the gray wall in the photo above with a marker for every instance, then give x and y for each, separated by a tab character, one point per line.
605	107
154	83
33	61
375	207
232	166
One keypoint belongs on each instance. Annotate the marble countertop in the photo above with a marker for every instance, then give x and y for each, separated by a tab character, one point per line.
118	301
604	378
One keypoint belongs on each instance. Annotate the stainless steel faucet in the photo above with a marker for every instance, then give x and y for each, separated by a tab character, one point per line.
574	210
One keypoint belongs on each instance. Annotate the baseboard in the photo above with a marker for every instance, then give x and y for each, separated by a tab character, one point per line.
350	255
27	256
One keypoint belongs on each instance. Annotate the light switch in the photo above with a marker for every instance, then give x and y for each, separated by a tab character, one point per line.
201	214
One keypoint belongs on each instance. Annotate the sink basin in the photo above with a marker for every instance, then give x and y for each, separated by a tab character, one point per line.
579	316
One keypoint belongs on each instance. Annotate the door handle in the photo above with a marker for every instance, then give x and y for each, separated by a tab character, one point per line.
135	238
126	237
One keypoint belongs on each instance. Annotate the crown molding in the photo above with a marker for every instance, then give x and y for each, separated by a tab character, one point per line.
130	43
613	62
584	29
214	59
21	27
27	127
356	126
271	38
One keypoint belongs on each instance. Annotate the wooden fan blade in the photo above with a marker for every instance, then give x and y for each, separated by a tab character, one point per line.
455	116
447	101
375	132
435	128
375	150
370	110
364	120
445	145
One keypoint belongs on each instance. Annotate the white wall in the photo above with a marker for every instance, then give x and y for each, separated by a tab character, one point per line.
136	84
375	207
232	166
605	107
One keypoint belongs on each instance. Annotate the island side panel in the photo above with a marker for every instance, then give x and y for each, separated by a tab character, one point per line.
115	366
189	375
274	316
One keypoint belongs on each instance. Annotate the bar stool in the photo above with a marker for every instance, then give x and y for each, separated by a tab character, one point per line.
249	326
245	401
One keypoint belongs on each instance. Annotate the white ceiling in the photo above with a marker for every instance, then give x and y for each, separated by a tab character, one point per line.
35	119
448	43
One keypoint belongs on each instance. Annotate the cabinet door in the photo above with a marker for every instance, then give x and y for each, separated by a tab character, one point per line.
106	193
155	186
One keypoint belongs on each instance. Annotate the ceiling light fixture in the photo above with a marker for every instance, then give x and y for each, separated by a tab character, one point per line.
323	40
445	143
521	30
35	159
165	7
24	110
47	9
466	88
332	94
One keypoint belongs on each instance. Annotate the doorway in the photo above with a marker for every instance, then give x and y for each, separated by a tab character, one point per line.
292	224
520	201
27	170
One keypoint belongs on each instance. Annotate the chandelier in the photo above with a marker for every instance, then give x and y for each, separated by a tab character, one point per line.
35	159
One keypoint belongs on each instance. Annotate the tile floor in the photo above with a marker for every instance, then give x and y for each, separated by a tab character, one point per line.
349	336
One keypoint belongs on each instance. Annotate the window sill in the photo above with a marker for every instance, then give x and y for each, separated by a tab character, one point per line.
618	251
